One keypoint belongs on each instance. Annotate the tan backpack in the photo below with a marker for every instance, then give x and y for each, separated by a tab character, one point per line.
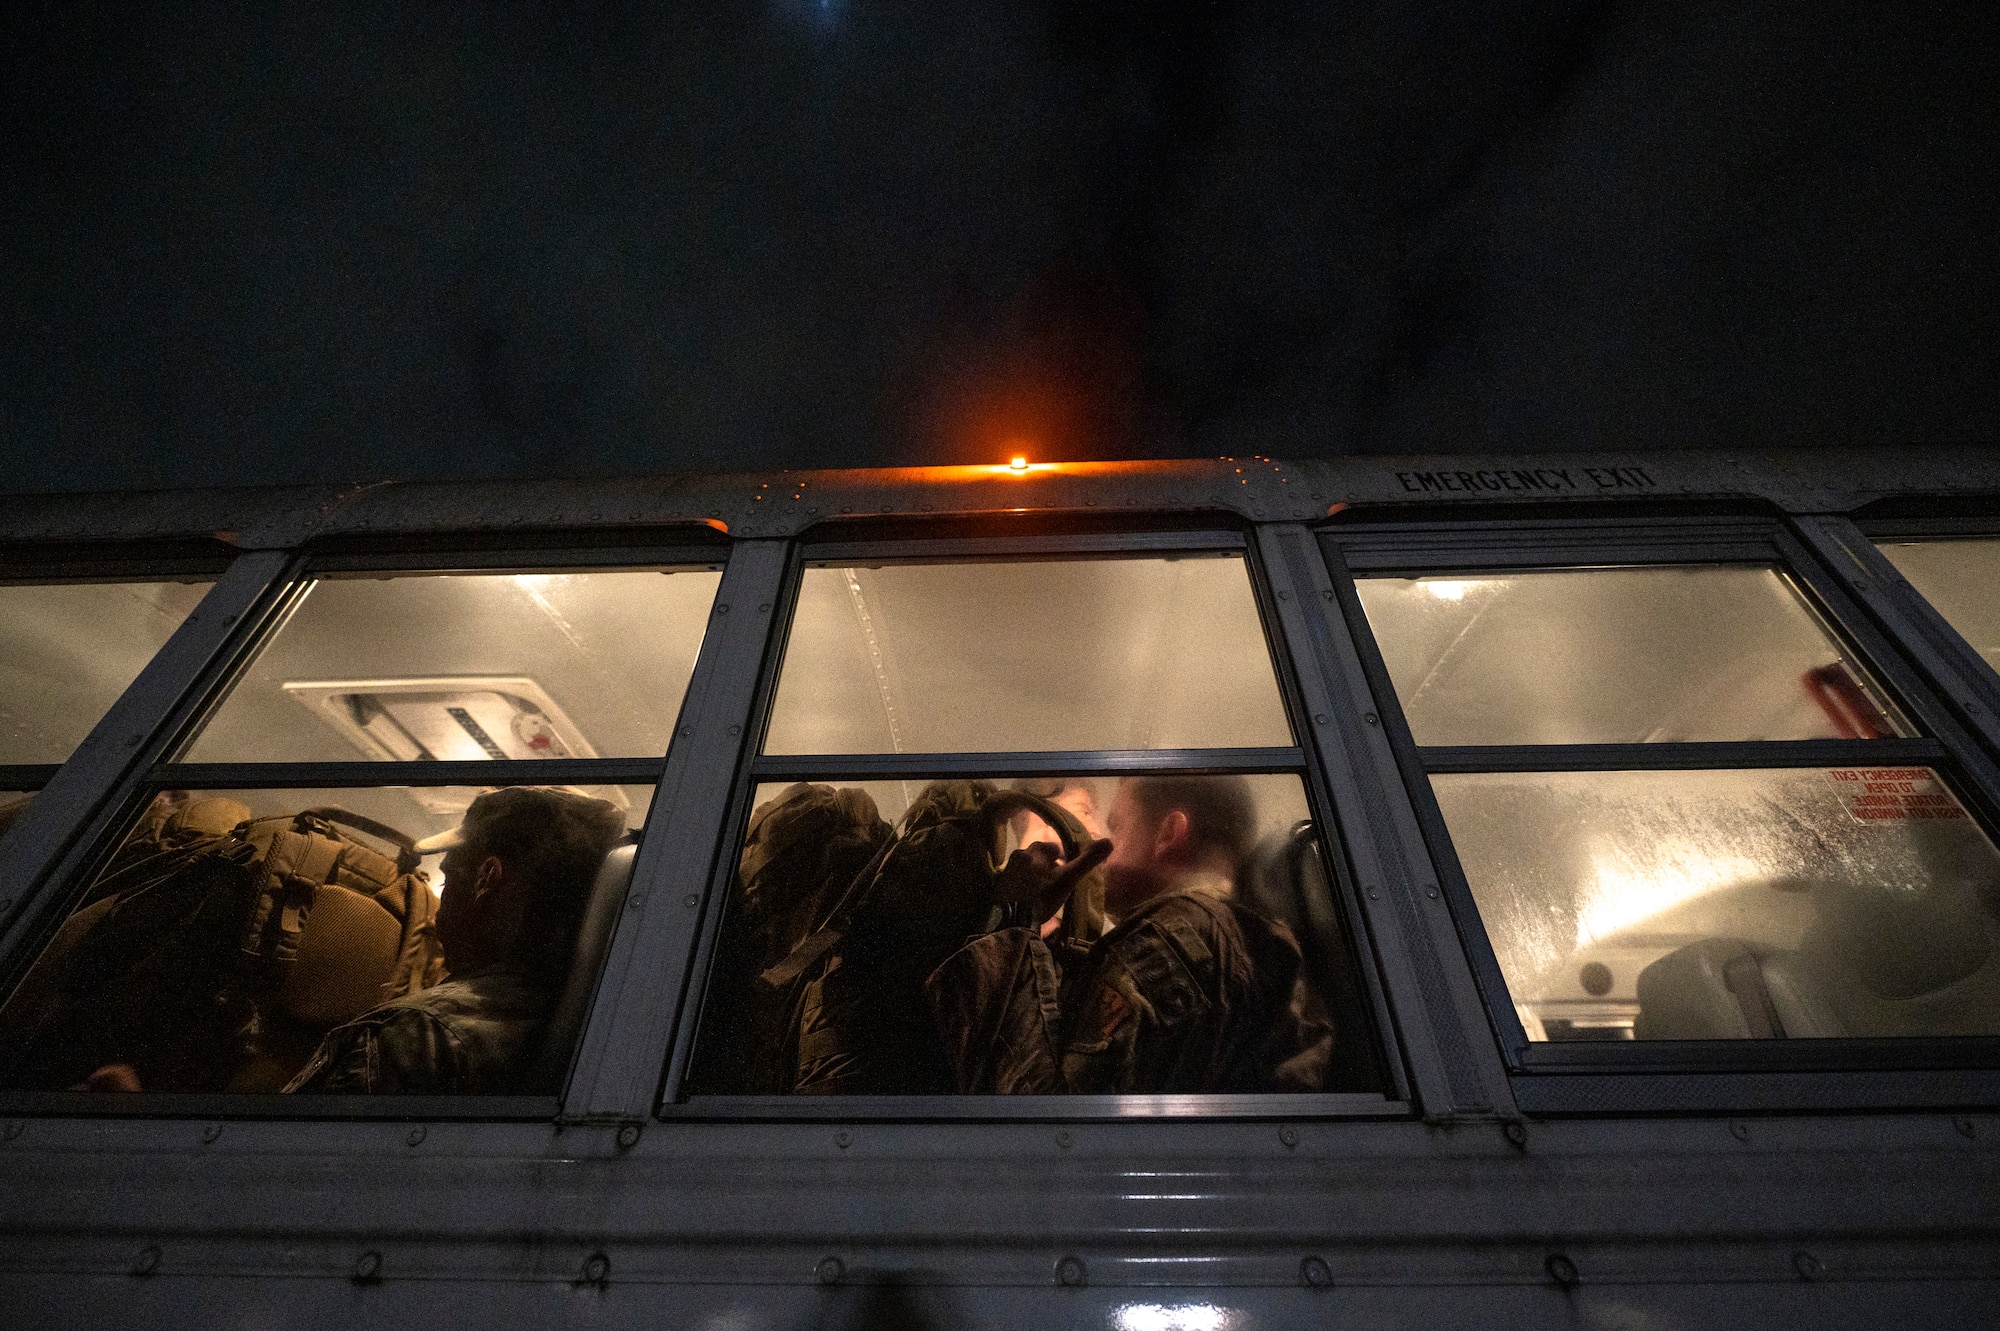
216	961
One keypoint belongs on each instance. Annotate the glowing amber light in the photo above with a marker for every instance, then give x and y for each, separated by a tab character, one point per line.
1019	467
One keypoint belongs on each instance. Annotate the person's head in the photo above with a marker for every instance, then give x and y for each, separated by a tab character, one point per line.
517	877
1070	793
1163	827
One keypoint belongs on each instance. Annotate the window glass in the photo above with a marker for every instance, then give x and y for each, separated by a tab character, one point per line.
879	939
1793	903
470	666
1029	656
67	651
258	941
1961	579
1618	655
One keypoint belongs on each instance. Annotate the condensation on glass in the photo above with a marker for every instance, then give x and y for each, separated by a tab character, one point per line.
906	997
1040	655
469	666
233	931
1962	580
1617	656
68	650
1783	903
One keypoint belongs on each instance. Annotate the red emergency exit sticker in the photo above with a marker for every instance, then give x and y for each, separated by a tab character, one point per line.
1894	794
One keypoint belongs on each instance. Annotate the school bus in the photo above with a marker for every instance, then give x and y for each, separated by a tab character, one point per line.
1630	818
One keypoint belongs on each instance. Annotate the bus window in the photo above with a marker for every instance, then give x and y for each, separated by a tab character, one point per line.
1958	579
68	650
394	940
1783	903
1044	655
890	937
469	666
961	931
1618	655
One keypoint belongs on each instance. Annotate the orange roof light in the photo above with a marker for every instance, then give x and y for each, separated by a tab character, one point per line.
1017	465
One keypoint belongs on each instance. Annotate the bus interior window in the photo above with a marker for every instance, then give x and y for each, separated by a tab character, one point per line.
1961	580
469	667
1127	653
1618	655
234	934
67	650
1697	905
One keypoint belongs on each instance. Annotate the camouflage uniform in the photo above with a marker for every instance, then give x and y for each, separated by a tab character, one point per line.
464	1037
1192	992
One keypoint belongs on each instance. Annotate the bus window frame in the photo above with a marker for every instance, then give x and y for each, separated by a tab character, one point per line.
98	800
676	1103
1962	679
70	564
1672	1075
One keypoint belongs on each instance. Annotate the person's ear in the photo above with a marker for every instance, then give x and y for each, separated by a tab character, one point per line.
1173	834
488	880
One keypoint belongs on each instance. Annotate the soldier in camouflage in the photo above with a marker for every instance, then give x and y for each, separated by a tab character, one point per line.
1190	991
517	877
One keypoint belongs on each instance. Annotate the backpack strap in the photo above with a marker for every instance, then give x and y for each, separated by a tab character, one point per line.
293	870
406	862
398	885
823	939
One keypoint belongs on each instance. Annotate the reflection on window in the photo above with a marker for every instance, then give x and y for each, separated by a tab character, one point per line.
258	941
1962	580
891	937
1042	655
470	666
1733	904
1618	655
67	651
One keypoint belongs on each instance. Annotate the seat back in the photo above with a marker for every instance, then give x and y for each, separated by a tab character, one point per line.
1285	880
1712	989
607	895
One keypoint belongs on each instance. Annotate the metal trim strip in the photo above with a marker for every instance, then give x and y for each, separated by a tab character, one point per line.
157	1105
1679	757
864	766
1050	547
1034	1108
528	772
1756	1092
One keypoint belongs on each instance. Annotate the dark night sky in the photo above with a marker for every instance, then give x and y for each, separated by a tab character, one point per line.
271	242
